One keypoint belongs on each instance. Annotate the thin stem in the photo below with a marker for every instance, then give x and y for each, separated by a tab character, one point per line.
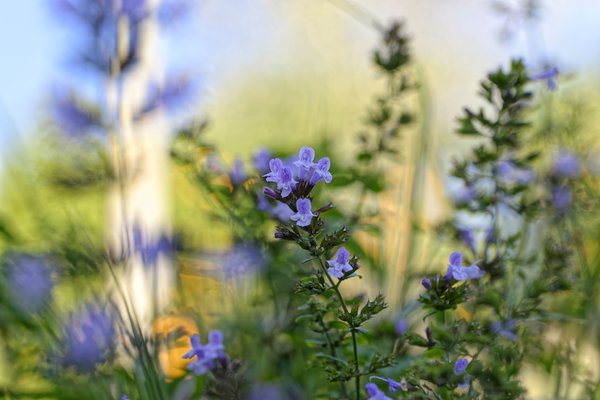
345	308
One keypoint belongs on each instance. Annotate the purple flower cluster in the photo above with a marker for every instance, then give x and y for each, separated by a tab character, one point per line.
29	281
294	182
565	168
89	337
206	354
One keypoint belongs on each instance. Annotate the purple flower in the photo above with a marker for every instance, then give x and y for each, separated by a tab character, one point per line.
306	155
401	326
151	250
241	260
74	116
566	165
261	160
237	174
505	329
548	75
561	199
282	211
304	215
321	171
374	392
286	181
510	173
267	191
124	397
460	273
460	366
275	165
426	282
393	386
29	282
340	264
89	337
206	354
173	96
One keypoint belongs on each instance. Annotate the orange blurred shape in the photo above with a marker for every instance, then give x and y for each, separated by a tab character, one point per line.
464	313
172	333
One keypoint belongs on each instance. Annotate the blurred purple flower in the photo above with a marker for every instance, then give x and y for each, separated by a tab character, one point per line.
401	326
460	273
393	385
374	392
29	281
72	115
174	96
89	337
151	250
304	215
340	265
206	354
549	75
510	173
460	366
237	173
505	329
282	212
261	160
566	165
242	259
561	199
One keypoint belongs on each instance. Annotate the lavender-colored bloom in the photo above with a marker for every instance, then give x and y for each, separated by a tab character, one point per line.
460	366
548	75
393	385
566	165
275	165
151	250
321	171
505	329
206	354
286	181
241	260
173	96
460	273
89	337
124	397
561	199
340	264
304	215
72	115
237	174
29	282
510	173
306	155
261	161
401	326
282	211
426	282
374	392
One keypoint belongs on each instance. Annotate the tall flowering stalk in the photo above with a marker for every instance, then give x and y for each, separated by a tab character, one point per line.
327	307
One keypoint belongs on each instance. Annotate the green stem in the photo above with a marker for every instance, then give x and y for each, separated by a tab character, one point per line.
345	308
